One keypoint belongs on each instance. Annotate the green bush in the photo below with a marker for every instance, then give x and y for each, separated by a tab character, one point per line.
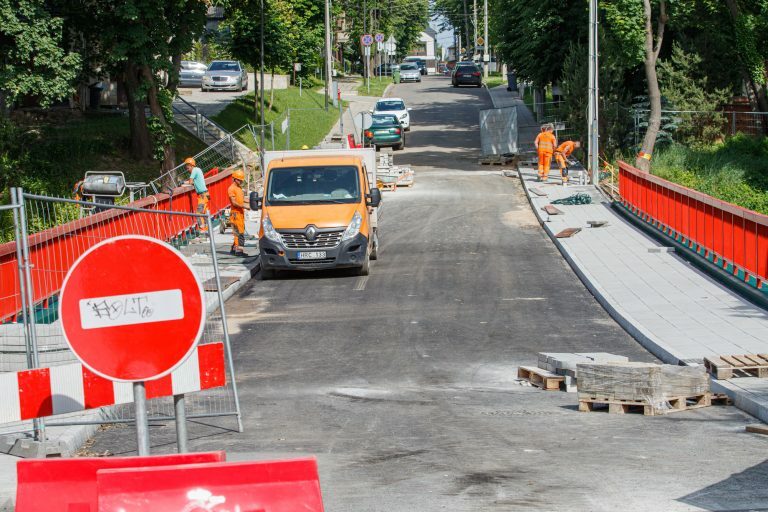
735	170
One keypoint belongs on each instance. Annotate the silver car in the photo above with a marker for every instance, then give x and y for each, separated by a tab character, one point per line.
409	72
191	73
225	75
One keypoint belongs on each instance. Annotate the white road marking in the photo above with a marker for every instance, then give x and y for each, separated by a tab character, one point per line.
360	284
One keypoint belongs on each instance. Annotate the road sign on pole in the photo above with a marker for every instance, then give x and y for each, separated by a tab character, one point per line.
379	37
132	309
367	39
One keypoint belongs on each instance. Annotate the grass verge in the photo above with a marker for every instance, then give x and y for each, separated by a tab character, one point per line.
377	86
309	121
735	171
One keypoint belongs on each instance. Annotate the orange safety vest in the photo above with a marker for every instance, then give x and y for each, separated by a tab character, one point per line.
237	192
546	142
566	148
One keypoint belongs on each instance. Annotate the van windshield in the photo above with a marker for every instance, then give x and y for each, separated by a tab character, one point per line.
313	185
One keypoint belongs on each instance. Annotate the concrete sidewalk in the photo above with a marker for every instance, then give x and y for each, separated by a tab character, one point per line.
677	312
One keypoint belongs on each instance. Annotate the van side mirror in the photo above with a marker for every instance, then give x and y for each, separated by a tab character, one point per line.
374	198
255	201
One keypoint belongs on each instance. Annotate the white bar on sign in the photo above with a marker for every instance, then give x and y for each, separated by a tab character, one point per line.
131	309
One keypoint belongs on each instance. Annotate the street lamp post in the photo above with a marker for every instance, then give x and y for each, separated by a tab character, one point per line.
593	126
261	87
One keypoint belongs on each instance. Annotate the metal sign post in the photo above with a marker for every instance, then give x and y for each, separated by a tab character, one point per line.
142	422
367	41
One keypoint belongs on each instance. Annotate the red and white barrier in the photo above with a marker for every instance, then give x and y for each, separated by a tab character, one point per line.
70	388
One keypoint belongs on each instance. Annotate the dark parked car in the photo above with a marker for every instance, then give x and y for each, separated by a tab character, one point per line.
420	63
467	73
385	69
385	130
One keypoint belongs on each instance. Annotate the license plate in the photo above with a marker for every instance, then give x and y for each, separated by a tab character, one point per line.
316	255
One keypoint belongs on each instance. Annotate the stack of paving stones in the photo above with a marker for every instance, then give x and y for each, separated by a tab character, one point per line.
565	364
654	384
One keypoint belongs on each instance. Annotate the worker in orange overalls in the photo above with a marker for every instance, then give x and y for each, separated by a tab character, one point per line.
545	146
237	209
562	152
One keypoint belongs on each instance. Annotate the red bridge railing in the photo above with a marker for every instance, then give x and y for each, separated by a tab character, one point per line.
731	237
53	251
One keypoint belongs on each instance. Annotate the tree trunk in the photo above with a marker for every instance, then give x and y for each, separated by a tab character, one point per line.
271	89
256	97
173	79
758	89
169	154
643	161
141	146
466	27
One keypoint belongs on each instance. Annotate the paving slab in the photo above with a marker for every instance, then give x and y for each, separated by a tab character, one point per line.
674	310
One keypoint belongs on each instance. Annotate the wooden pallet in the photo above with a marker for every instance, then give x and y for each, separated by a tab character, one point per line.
543	379
747	365
587	403
388	186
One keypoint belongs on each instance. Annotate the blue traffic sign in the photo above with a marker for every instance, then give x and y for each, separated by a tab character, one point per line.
367	40
379	37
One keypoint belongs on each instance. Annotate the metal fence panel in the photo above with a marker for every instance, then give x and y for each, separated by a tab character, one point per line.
499	131
47	257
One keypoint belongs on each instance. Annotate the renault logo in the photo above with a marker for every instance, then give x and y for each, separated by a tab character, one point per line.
311	232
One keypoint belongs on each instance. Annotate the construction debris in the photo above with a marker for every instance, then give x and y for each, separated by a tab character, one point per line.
567	232
496	159
597	223
653	388
575	199
757	428
551	210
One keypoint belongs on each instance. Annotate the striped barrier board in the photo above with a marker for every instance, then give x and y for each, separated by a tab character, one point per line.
70	388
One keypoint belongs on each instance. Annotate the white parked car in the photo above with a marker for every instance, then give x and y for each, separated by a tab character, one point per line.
395	107
410	72
225	75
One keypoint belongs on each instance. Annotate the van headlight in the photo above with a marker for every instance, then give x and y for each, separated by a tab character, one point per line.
354	227
269	230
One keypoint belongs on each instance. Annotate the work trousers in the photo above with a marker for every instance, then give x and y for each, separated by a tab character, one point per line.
545	162
563	161
237	221
202	207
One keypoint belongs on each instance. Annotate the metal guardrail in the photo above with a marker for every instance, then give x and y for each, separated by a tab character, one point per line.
733	238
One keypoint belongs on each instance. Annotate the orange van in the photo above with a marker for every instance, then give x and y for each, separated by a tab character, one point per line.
318	211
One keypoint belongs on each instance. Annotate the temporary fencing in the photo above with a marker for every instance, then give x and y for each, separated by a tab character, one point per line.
682	125
499	131
50	235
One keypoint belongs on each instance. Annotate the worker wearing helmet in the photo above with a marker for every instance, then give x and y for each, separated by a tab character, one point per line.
562	153
545	146
237	212
304	147
197	179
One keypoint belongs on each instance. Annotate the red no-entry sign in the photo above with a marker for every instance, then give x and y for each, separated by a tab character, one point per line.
132	308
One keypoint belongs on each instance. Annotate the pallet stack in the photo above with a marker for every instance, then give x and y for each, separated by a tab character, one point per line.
657	389
559	369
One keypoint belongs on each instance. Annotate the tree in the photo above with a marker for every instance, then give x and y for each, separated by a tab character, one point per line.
140	42
751	25
532	37
32	60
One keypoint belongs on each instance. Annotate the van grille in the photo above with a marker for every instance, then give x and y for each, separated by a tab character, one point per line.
326	240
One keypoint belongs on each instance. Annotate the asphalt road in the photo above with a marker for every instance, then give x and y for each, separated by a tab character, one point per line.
403	383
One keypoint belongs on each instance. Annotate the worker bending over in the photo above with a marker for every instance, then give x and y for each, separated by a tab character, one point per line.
197	179
545	146
237	209
562	153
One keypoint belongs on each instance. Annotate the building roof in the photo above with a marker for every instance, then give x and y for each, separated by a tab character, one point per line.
430	32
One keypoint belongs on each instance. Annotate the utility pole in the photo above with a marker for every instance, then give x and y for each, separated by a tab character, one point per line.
262	121
474	21
593	126
328	56
486	46
365	52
